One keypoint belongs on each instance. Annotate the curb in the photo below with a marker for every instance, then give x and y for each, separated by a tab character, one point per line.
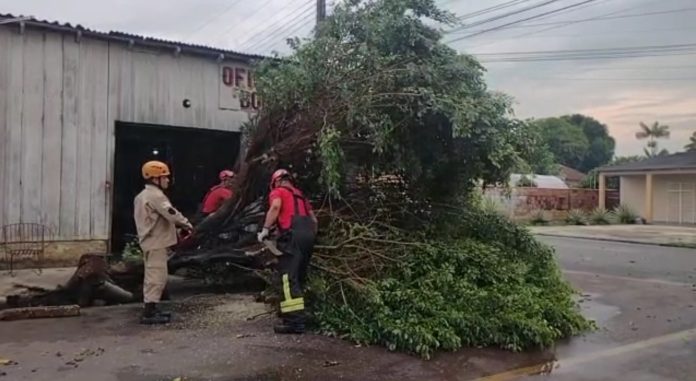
677	245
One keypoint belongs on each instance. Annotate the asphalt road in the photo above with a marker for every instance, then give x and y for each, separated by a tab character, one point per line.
642	298
624	259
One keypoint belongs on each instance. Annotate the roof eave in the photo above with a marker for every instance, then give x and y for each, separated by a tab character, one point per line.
141	41
638	171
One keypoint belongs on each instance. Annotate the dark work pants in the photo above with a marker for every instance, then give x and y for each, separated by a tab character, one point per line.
292	268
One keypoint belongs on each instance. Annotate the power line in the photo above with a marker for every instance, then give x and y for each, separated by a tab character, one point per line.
208	21
520	21
601	18
613	79
254	34
284	27
626	68
248	17
549	28
594	50
616	32
491	9
287	30
591	54
288	33
588	57
502	16
573	9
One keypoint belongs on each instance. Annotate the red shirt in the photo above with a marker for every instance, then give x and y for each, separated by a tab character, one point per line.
215	197
287	206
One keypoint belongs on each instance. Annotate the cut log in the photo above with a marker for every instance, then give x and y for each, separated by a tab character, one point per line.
40	312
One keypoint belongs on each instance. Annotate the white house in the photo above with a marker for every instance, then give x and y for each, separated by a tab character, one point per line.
661	189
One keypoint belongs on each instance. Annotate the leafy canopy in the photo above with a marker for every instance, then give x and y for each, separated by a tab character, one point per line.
393	99
577	141
566	141
601	145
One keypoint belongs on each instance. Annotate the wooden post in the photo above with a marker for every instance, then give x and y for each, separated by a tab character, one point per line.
648	198
602	191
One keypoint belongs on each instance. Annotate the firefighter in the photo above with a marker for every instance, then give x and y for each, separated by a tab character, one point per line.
156	221
296	227
218	194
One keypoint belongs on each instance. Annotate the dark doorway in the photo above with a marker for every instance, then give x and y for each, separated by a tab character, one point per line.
194	155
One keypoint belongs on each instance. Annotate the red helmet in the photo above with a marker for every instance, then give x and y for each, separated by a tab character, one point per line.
226	174
277	175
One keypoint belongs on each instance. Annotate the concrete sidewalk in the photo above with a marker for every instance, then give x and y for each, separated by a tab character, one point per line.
661	235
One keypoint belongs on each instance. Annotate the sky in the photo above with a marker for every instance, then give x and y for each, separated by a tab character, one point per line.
620	92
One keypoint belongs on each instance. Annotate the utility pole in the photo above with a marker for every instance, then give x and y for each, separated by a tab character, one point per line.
321	14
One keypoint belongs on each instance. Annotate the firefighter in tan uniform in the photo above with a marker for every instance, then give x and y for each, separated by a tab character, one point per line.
156	221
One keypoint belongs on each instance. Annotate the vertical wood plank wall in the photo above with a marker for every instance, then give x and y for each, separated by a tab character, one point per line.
60	99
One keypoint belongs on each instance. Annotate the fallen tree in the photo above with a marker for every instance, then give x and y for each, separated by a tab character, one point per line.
390	130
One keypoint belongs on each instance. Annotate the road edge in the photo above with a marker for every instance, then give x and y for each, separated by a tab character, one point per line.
603	239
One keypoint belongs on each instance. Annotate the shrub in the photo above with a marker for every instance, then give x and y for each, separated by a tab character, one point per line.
539	218
601	217
576	217
625	214
492	205
491	284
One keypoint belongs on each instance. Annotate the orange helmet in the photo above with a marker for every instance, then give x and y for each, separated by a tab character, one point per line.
226	174
277	175
155	168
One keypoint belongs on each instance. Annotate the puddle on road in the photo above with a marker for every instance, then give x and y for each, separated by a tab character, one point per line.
595	310
532	370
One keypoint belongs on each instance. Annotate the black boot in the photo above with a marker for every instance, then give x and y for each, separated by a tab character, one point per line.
162	312
152	316
289	328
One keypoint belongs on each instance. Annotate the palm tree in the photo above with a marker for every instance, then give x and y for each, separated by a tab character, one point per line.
652	133
692	143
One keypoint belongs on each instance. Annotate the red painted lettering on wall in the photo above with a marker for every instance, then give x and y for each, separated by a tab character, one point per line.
227	75
241	81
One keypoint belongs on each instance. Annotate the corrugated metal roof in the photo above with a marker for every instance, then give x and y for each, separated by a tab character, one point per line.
541	181
131	39
677	161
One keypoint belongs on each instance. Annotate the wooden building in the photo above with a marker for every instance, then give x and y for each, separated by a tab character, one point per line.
80	110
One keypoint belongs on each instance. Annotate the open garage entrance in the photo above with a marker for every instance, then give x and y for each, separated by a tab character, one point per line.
194	155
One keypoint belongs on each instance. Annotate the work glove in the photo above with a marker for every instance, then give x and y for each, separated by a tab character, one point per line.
263	234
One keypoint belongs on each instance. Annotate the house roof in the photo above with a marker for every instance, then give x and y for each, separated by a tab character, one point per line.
541	181
677	161
571	174
126	38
